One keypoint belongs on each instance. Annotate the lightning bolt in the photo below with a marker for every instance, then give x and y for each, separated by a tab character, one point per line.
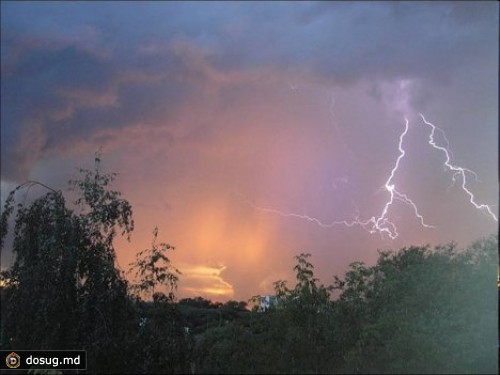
456	169
380	224
304	217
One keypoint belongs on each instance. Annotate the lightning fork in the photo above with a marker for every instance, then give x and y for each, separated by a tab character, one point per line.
456	169
381	223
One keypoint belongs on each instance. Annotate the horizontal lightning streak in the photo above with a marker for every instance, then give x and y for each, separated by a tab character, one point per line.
305	217
457	170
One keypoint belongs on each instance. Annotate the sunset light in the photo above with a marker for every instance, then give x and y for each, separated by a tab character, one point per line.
225	152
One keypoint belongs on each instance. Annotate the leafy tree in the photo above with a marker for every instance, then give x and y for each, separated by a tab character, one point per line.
65	291
303	319
162	345
154	269
41	298
421	310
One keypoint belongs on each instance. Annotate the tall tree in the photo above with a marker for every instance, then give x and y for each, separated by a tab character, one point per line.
65	291
162	345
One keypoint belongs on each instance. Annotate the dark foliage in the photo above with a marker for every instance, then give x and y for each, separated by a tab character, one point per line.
419	310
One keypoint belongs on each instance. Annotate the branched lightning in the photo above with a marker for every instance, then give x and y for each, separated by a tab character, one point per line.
380	224
456	169
305	217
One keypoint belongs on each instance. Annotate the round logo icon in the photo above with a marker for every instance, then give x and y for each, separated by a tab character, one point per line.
13	360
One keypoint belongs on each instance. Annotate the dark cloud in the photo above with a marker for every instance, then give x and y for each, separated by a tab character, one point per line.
55	96
78	71
345	42
34	101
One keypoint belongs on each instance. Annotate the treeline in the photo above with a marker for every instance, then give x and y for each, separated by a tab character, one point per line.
418	310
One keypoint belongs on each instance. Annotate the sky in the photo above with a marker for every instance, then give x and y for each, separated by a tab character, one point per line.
242	130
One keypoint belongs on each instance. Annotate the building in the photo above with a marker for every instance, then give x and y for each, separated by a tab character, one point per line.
266	302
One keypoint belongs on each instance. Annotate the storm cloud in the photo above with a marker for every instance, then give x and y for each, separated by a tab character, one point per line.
213	107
